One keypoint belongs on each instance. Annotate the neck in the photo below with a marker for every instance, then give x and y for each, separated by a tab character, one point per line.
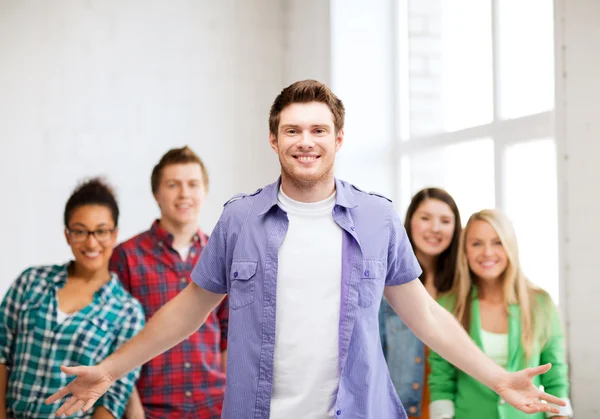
308	192
182	233
491	291
428	263
101	275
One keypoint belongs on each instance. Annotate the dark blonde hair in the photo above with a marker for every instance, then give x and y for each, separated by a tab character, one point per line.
183	155
535	304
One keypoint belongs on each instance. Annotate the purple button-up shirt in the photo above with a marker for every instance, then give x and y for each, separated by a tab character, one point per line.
241	259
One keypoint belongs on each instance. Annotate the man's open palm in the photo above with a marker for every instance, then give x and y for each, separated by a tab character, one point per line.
89	385
519	391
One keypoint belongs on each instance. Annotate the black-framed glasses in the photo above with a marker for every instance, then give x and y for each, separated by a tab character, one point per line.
79	235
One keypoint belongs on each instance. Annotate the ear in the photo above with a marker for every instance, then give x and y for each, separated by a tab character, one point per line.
273	142
67	237
339	140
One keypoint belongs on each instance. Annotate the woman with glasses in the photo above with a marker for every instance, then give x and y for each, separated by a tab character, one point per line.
71	314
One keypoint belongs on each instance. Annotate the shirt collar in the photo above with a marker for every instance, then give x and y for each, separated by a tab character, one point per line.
161	235
344	196
104	293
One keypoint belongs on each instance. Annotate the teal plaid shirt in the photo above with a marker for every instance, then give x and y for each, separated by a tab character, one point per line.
33	345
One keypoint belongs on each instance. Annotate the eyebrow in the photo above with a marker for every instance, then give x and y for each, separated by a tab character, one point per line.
297	126
480	240
430	214
84	226
194	179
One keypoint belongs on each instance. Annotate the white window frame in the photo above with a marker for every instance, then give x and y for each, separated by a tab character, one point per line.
503	132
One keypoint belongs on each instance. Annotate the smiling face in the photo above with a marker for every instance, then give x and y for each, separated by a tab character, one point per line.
306	143
180	194
486	255
91	252
432	227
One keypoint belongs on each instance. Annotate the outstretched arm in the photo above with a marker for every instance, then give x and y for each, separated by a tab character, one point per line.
175	321
439	330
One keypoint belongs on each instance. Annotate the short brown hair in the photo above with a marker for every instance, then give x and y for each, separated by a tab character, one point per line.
306	91
183	155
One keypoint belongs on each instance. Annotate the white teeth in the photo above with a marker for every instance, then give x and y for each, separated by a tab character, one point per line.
307	158
91	254
488	264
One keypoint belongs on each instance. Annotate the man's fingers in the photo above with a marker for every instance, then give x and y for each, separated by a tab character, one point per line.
529	409
58	395
89	404
75	408
66	405
71	370
552	399
542	369
544	407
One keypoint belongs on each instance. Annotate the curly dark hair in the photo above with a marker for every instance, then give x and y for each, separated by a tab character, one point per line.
94	191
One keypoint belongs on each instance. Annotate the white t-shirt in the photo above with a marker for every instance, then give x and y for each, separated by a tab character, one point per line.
183	252
495	345
61	316
306	361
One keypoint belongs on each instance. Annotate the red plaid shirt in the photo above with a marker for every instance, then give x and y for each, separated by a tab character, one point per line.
188	380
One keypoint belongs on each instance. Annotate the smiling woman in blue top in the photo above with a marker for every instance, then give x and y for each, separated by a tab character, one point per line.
305	262
433	227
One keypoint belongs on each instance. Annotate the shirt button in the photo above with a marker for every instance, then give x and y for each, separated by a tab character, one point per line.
187	365
412	410
367	273
352	228
188	394
160	244
416	386
235	274
418	360
183	279
339	412
502	401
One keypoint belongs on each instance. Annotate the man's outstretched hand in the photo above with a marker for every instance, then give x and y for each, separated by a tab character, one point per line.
518	390
89	385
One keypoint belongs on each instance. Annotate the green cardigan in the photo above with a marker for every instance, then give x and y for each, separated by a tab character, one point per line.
473	400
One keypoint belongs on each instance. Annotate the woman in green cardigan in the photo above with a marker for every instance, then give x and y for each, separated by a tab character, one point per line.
514	322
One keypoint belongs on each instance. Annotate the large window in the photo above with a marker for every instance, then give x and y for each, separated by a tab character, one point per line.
475	115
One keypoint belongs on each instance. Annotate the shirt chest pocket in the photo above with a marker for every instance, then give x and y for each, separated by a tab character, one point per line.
243	282
97	334
30	316
370	283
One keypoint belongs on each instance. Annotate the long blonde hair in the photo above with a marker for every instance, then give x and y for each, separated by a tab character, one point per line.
532	301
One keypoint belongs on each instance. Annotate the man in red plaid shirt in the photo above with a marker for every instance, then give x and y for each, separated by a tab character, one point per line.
187	381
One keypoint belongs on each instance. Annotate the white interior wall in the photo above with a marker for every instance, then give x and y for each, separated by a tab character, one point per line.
106	87
578	145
